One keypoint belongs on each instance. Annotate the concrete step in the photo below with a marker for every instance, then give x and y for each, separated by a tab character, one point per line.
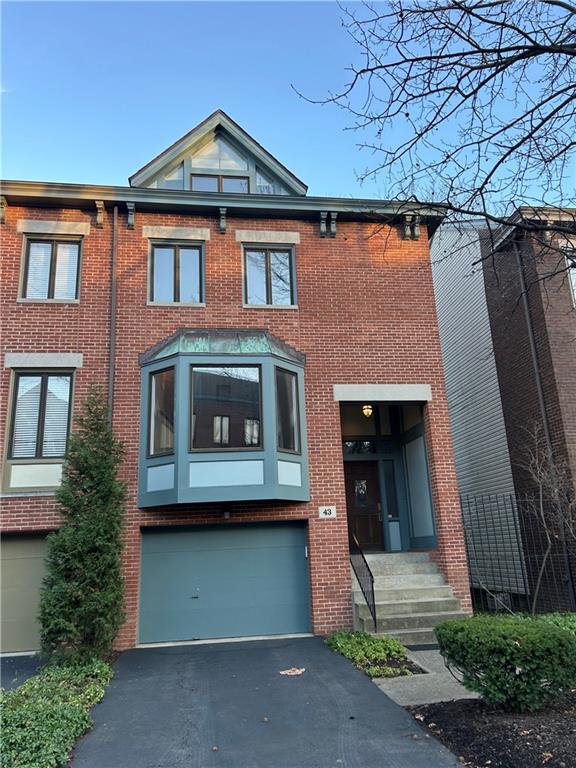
409	580
401	622
401	607
398	557
415	637
386	568
400	595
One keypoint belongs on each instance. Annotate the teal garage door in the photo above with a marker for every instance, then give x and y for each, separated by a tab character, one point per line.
232	581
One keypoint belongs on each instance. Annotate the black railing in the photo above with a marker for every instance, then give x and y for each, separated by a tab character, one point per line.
517	558
364	576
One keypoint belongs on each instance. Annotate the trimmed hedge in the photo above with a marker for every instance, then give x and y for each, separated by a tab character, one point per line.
565	621
509	661
42	719
370	654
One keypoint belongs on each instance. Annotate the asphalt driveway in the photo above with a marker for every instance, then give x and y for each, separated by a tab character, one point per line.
15	670
226	705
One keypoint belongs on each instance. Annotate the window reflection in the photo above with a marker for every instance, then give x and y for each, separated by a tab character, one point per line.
269	277
359	446
162	412
287	410
226	407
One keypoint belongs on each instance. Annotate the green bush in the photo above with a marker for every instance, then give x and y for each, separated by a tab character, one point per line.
371	654
42	718
565	621
509	661
82	594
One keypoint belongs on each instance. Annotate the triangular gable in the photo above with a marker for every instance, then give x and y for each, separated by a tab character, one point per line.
225	147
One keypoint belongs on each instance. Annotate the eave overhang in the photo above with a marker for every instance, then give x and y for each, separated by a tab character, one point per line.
539	218
55	194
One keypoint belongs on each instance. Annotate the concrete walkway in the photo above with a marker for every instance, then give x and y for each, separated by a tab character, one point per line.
227	706
438	685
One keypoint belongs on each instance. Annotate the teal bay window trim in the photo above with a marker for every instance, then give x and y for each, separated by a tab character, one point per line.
222	474
177	246
268	250
153	427
294	414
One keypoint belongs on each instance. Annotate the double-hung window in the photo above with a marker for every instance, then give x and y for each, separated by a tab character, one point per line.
176	274
269	276
51	269
40	415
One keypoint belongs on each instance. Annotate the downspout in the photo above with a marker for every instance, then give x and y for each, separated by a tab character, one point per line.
112	344
542	408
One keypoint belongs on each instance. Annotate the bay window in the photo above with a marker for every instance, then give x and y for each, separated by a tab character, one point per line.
223	419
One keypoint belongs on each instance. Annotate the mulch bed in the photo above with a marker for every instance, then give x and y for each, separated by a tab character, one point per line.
484	736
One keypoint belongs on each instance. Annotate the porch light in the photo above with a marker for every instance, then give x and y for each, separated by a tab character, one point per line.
367	410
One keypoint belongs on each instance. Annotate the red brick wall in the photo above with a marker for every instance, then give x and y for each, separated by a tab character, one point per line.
553	323
366	315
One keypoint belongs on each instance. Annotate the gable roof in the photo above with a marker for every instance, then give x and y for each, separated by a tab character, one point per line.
219	121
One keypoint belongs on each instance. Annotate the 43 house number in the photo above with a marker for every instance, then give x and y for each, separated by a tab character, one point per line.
327	513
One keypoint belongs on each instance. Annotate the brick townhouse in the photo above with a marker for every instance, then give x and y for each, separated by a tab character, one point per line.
273	367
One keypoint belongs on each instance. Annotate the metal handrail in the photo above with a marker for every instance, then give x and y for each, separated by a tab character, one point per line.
364	575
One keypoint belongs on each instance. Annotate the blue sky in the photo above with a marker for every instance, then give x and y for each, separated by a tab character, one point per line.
92	91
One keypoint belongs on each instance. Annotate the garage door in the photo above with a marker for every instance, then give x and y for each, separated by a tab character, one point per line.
223	582
22	561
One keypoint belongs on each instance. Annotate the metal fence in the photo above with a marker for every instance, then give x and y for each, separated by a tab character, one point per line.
517	560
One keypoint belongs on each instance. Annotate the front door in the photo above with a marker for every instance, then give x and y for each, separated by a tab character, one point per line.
363	504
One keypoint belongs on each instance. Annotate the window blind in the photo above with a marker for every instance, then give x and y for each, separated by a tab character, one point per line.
56	416
26	414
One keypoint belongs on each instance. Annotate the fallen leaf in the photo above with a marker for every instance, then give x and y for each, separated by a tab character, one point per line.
293	671
547	756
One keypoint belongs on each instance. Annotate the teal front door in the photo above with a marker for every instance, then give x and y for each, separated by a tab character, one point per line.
223	581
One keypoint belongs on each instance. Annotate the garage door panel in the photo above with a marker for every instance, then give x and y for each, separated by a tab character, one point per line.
211	583
22	572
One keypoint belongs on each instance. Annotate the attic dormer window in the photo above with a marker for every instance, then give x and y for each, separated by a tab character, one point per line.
210	183
174	179
219	155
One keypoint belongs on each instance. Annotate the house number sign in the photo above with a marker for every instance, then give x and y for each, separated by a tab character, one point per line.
327	513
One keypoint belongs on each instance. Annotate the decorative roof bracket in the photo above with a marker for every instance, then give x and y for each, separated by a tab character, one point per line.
100	210
223	220
3	207
333	217
323	217
407	227
411	226
131	214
